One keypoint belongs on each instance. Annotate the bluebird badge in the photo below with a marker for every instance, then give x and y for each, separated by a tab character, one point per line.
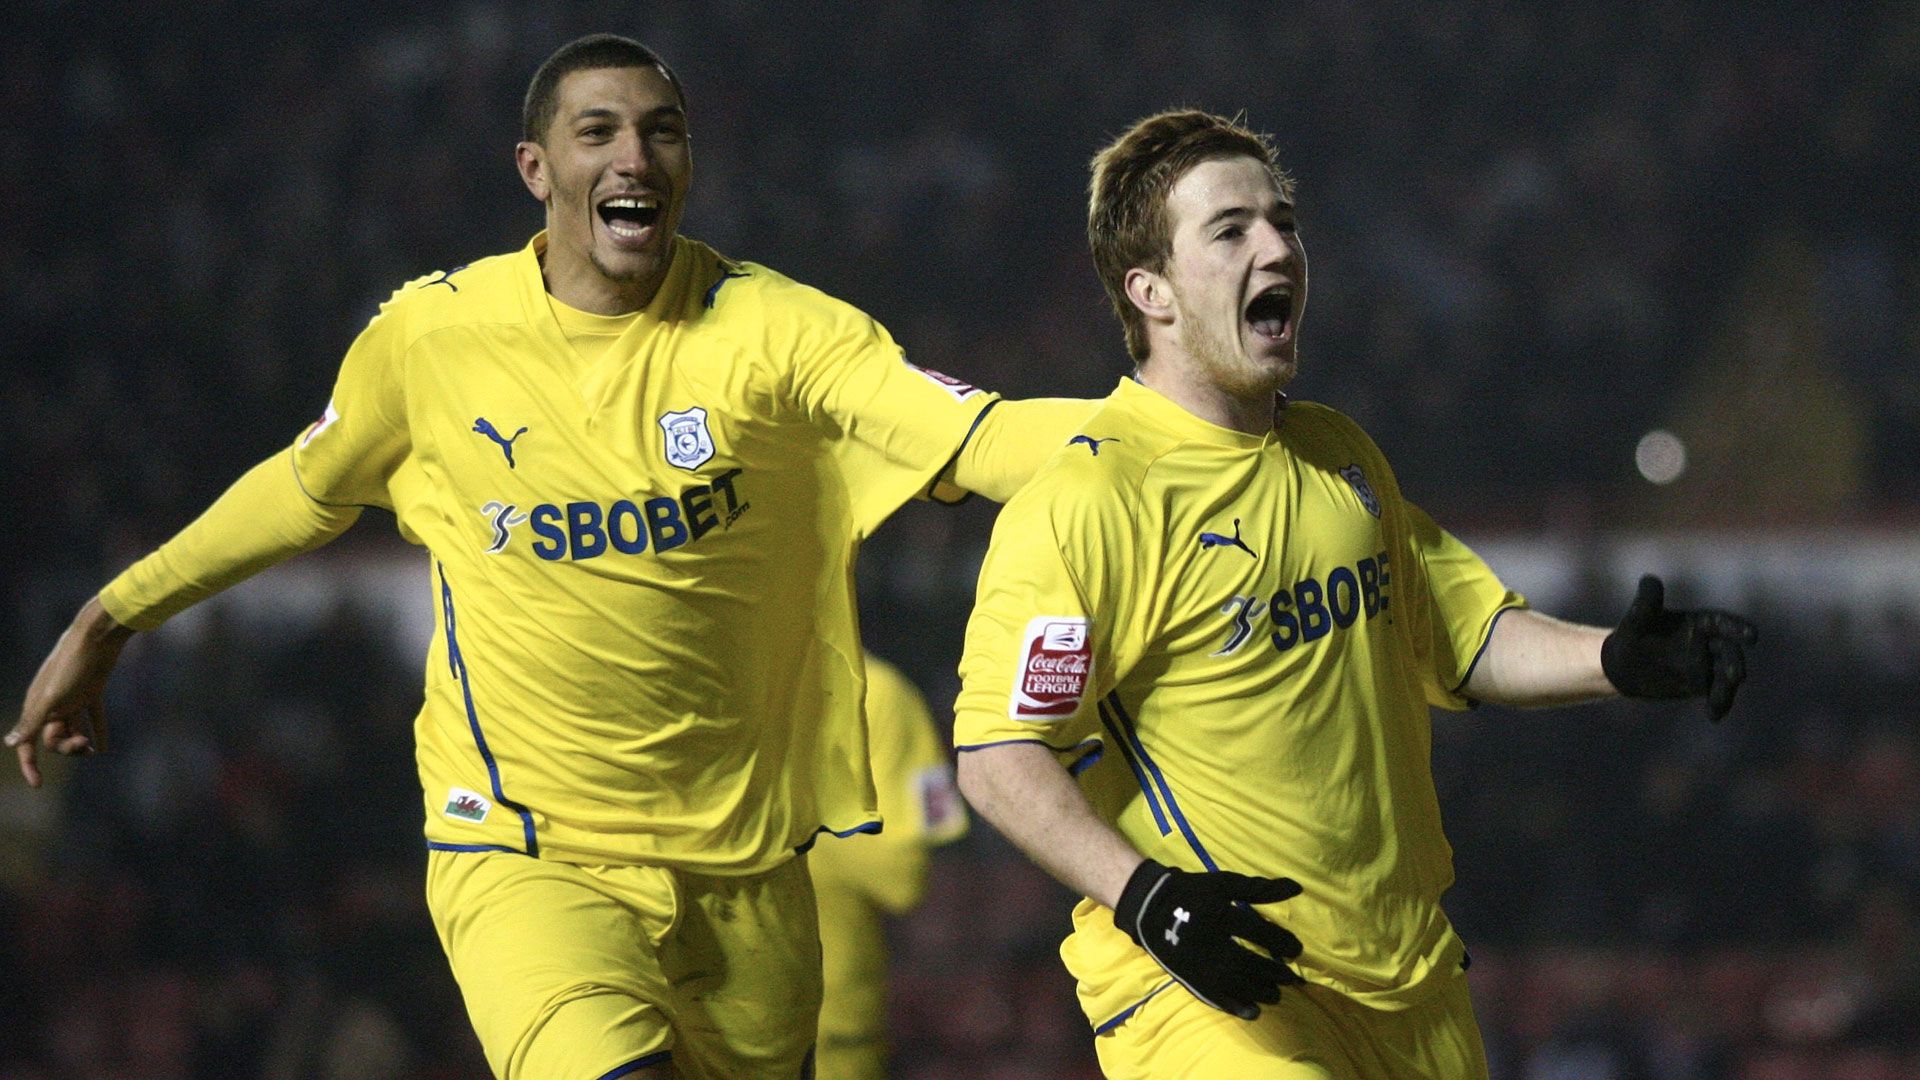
1358	479
689	443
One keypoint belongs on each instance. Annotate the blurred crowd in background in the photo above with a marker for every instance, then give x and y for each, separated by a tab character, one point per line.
1536	233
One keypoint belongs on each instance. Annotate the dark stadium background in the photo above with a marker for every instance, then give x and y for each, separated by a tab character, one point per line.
1538	231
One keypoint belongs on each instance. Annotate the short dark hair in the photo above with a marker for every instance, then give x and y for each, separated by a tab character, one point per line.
1127	223
590	53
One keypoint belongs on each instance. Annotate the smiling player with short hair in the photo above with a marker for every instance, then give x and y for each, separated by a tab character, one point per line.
642	471
1197	675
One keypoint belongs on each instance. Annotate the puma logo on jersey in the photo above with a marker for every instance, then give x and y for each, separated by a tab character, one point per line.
442	279
1093	444
504	517
1210	540
482	426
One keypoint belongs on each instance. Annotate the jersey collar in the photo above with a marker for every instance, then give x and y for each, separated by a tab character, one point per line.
679	298
1162	411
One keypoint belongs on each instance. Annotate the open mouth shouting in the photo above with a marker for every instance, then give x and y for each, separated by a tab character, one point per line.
1270	315
631	218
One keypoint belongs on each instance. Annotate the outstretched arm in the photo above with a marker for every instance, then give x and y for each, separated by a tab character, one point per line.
1655	653
1536	660
262	519
1013	440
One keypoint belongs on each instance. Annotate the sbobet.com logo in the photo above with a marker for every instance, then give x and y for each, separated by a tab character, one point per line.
587	530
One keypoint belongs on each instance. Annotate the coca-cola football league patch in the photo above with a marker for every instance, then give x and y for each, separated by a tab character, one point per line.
1056	662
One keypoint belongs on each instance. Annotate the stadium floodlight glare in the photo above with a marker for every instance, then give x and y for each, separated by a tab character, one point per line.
1661	457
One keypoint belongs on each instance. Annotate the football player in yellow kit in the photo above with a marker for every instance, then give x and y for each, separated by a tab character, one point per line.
859	879
1197	675
641	470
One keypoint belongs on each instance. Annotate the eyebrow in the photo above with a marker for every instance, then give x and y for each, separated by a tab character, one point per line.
1229	212
1219	216
601	112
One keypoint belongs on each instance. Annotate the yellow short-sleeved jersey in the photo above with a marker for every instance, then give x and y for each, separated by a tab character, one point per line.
646	647
1233	641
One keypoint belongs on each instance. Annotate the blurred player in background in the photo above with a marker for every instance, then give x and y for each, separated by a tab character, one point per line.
858	880
1216	610
641	470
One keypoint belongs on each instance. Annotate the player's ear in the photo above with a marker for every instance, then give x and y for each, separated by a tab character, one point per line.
1151	293
531	158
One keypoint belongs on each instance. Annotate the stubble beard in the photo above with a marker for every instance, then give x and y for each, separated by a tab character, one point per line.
1225	362
627	276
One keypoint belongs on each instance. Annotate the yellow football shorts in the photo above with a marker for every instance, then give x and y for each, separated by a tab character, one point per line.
590	973
1313	1034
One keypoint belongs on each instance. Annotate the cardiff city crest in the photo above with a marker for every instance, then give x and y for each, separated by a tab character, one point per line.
1358	479
689	443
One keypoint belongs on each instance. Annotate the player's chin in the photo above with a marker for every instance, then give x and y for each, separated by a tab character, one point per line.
621	264
1277	362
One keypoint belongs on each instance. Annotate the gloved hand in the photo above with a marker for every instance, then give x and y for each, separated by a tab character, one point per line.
1656	653
1188	922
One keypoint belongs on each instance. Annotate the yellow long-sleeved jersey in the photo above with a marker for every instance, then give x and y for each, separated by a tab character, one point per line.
641	562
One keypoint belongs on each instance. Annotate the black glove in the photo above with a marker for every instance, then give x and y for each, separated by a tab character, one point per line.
1656	653
1188	923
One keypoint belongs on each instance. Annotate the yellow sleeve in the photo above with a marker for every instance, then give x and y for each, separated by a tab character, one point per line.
1463	596
893	425
293	501
1010	444
1049	616
349	454
262	519
1449	597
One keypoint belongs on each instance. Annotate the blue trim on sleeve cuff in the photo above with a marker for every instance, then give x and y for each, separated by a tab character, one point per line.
436	845
940	476
1462	685
1094	749
637	1064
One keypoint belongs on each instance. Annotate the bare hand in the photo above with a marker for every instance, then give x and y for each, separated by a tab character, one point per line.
64	710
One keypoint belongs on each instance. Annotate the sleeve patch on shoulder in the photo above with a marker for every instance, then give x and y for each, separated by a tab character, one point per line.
961	391
326	421
1056	662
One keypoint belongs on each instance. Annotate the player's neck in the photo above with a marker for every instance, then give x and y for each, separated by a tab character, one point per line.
1250	412
574	280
